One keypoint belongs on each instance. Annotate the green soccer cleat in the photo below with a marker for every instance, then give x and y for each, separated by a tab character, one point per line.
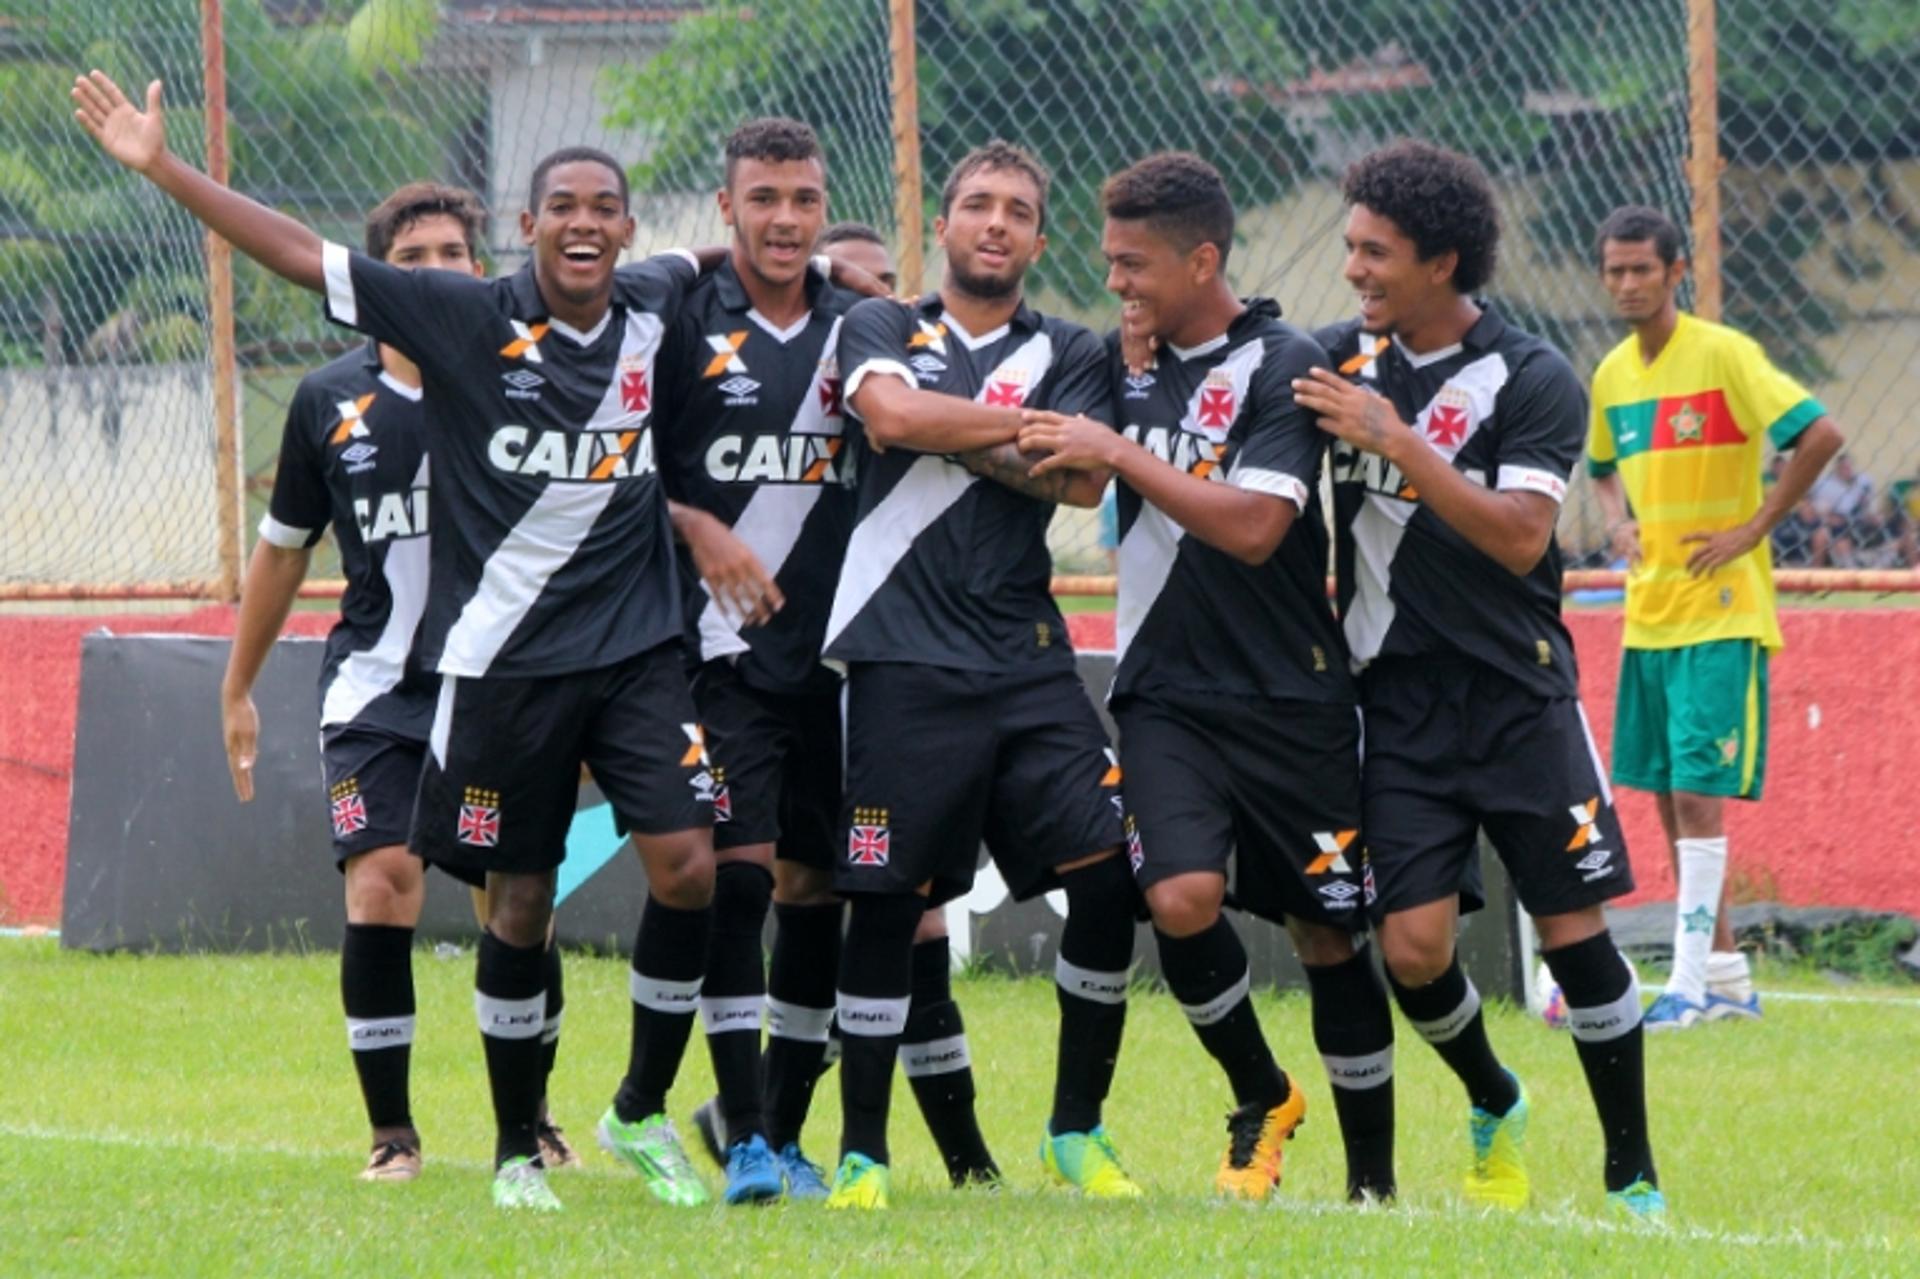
1641	1203
1498	1178
520	1184
1088	1162
859	1183
651	1147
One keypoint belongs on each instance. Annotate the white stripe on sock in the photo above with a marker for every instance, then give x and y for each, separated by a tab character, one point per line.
871	1018
1444	1029
1610	1021
1357	1074
511	1018
551	1031
1221	1004
731	1015
935	1057
371	1034
1097	987
663	996
797	1021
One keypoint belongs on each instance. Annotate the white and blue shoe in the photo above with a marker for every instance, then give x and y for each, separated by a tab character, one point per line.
1673	1011
805	1178
1726	1007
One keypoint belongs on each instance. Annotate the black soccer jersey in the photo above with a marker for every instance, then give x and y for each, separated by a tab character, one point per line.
553	552
1505	408
353	456
1195	619
946	568
750	431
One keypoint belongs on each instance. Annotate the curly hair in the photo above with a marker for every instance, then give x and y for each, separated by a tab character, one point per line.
1179	195
1442	200
417	200
996	155
775	139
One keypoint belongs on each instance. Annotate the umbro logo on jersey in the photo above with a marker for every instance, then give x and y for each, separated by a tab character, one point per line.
526	341
572	455
359	457
523	384
1138	385
928	367
774	459
726	353
741	390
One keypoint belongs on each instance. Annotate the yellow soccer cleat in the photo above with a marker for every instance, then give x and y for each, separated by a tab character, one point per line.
1498	1178
1088	1162
859	1183
1256	1137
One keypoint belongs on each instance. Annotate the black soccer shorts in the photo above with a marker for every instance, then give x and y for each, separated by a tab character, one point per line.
1266	793
783	764
503	763
940	760
1454	747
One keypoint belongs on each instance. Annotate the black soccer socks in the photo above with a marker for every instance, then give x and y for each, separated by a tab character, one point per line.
1603	1011
1446	1013
1208	976
800	981
556	1008
669	960
938	1064
511	1003
1353	1029
734	993
376	989
874	993
1090	978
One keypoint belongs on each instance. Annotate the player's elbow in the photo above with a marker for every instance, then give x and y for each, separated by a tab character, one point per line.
1257	539
1821	439
1521	554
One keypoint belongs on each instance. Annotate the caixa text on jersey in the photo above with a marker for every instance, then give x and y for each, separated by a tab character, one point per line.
572	455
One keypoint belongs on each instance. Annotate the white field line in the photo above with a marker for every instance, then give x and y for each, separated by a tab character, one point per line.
1819	997
1558	1222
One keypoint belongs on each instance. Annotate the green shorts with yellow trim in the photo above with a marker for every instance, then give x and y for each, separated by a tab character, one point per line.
1693	719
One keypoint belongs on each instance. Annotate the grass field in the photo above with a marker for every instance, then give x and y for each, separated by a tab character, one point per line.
198	1116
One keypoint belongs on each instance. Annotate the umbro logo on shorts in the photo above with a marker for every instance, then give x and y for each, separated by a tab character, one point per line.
1339	894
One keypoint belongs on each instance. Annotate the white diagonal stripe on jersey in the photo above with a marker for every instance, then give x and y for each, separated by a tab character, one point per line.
1480	382
935	1057
1144	564
727	1016
510	1018
663	996
367	674
1220	1005
1378	526
1369	1070
927	491
550	531
797	1021
336	264
441	733
1239	369
371	1034
773	518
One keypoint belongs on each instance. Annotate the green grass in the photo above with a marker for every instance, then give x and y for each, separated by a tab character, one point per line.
198	1116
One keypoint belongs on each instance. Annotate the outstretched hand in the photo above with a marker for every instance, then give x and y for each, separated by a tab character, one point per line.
135	138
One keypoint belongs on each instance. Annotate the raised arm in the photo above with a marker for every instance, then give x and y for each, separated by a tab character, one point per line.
138	140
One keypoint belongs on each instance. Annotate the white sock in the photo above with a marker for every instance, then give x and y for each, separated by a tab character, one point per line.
1729	968
1703	871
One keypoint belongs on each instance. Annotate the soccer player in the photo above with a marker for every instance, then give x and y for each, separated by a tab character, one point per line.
1682	412
1457	434
1239	727
765	513
965	717
554	619
352	457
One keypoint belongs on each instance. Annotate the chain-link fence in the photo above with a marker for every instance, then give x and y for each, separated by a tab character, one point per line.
107	459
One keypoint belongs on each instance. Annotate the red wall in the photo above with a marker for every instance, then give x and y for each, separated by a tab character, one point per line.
1834	828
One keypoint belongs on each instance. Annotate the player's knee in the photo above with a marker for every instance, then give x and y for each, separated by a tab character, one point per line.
797	884
932	926
679	868
1319	945
1186	905
1697	814
519	908
385	886
1416	958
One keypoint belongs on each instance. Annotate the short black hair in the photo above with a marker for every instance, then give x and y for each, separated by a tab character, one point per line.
417	200
997	154
841	232
1180	196
573	155
773	138
1440	199
1636	224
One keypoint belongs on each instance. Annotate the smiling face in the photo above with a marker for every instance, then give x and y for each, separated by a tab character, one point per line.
776	209
991	232
1397	290
1158	285
1640	284
577	232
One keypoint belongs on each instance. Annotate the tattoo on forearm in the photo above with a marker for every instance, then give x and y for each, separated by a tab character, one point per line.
1374	418
1005	464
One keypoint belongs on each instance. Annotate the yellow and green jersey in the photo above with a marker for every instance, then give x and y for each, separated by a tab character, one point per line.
1686	434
